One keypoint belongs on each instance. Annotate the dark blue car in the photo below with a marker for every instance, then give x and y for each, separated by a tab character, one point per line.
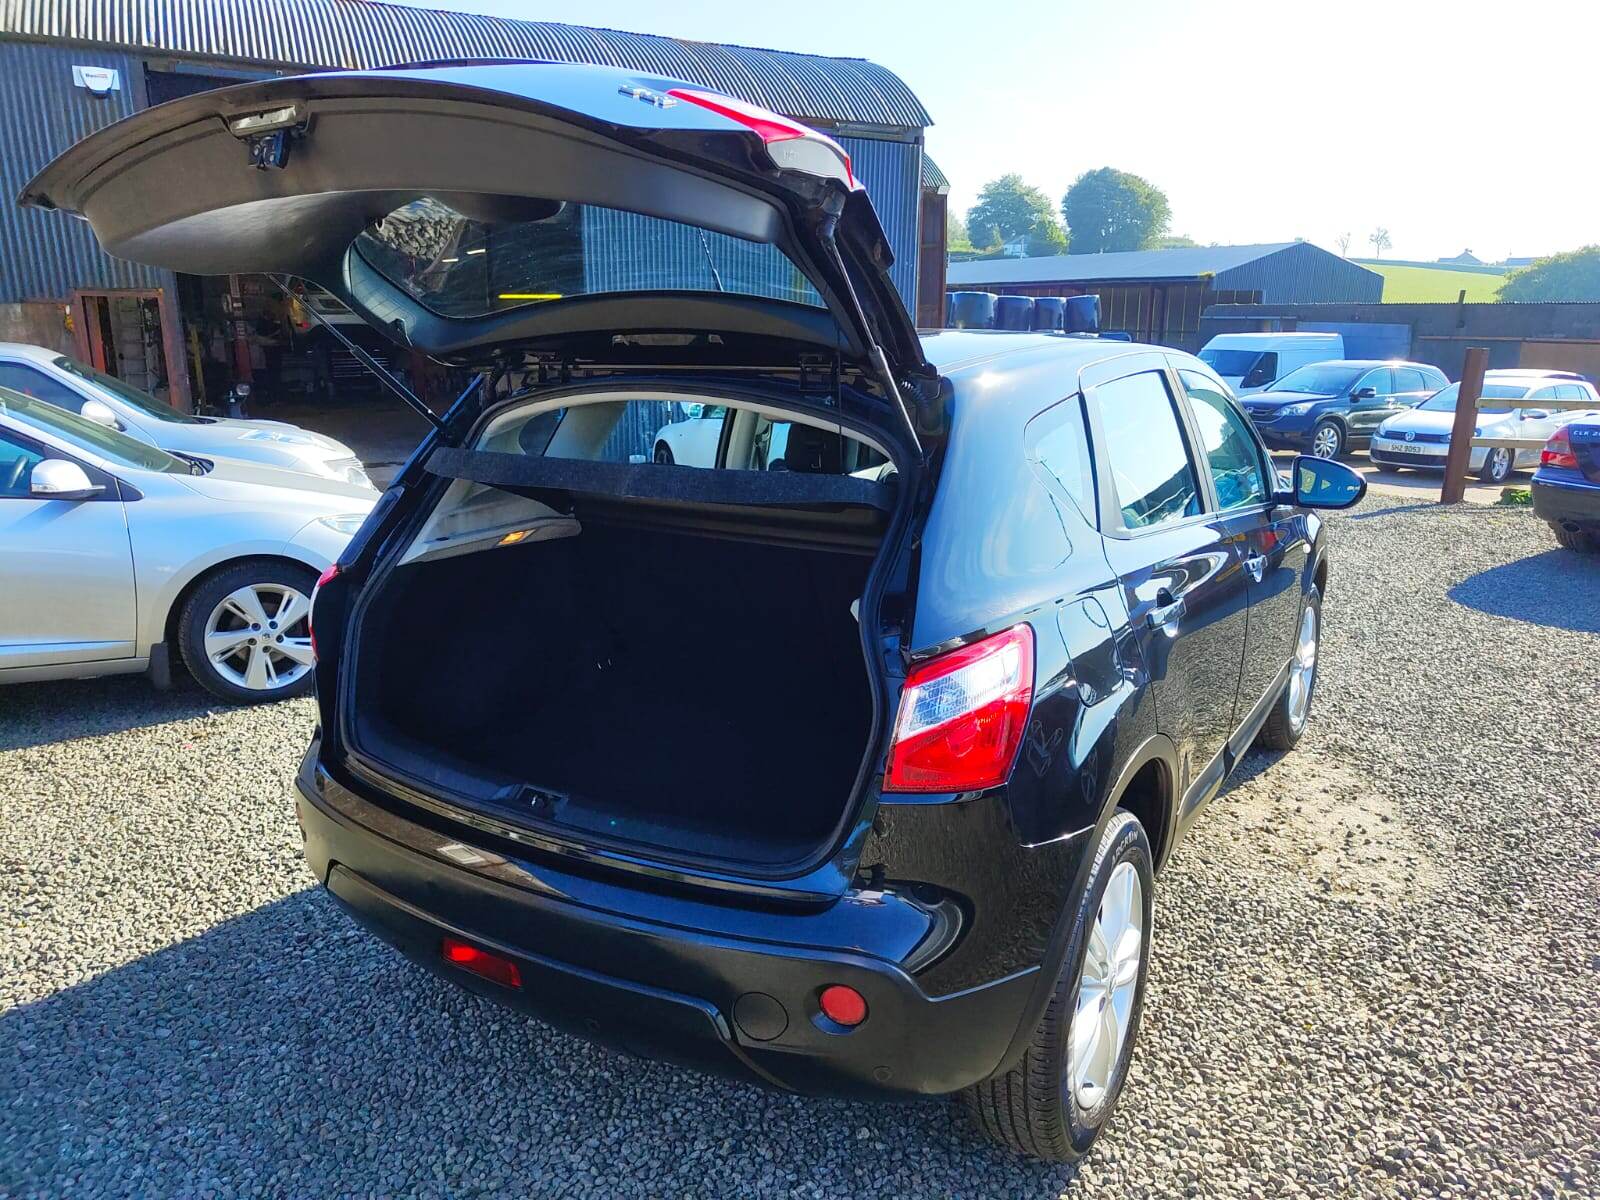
1329	408
1566	487
843	762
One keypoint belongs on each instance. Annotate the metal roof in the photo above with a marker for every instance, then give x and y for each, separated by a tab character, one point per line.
933	179
364	34
1186	262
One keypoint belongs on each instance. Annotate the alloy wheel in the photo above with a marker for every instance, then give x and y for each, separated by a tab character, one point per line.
1106	988
1499	464
259	637
1303	670
1325	442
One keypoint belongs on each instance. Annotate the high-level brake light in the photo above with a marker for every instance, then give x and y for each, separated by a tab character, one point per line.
790	144
962	716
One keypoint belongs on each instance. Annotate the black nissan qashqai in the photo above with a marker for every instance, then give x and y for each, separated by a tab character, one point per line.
839	754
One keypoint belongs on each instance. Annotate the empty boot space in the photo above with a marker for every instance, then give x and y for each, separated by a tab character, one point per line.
701	694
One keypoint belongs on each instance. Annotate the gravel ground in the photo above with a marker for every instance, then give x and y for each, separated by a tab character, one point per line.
1377	968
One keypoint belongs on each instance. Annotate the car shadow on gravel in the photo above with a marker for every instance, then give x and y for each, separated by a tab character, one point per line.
288	1051
1557	589
37	714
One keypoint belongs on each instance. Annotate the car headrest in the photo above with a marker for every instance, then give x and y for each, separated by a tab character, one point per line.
814	451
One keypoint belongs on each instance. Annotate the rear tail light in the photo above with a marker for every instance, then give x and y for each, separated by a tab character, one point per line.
843	1005
311	618
790	144
1557	451
494	967
962	716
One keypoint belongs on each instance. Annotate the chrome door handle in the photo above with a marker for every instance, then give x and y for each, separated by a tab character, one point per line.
1165	617
1256	564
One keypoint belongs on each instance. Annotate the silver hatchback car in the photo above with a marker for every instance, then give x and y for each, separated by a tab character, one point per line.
113	552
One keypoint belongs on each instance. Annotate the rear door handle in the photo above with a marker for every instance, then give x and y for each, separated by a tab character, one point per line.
1256	564
1167	613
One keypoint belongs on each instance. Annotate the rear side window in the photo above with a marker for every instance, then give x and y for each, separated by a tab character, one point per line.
39	386
1145	452
1058	443
1230	451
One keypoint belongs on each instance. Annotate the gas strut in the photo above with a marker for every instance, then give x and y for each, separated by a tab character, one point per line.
366	360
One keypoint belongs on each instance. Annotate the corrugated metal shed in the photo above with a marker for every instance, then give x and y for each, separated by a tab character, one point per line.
890	172
1303	272
933	179
1189	262
359	34
42	255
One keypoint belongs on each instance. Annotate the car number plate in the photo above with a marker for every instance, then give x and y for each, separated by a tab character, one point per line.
1405	448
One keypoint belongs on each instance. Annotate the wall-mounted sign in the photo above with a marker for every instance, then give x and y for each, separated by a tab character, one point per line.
101	81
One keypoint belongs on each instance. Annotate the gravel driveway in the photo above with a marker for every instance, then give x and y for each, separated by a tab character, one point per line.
1377	959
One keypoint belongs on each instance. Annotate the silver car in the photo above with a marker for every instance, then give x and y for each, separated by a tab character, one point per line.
69	384
112	552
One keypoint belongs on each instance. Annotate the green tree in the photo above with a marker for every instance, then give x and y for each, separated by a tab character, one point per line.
1008	209
1574	275
1173	241
1107	210
956	240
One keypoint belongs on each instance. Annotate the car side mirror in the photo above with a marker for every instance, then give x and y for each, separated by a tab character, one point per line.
1366	393
1535	414
58	479
1323	483
691	412
100	413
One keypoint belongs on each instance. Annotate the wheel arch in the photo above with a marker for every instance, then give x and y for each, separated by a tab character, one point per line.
168	629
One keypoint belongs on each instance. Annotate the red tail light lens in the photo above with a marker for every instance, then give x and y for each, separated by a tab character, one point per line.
495	967
962	716
311	618
843	1005
815	153
1557	451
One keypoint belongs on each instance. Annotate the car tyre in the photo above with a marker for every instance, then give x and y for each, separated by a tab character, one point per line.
1497	465
1327	439
1292	710
1580	540
245	661
1046	1107
663	454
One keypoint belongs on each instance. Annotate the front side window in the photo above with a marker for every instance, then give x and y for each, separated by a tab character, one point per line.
1263	373
1231	454
36	385
1145	451
16	468
144	402
465	266
1235	364
1380	381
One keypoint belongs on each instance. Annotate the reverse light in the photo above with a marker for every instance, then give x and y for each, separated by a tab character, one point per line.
962	716
496	968
1557	451
790	144
327	576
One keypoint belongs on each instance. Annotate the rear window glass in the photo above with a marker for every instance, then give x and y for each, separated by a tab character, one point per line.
460	266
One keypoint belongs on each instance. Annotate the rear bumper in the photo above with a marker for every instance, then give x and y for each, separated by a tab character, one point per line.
732	992
1565	497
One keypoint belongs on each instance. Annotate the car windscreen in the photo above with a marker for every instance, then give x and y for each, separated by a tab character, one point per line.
1319	379
461	266
1445	400
127	393
112	447
1230	363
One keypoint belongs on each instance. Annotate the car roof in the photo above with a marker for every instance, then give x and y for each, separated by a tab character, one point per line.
955	350
1372	362
1530	373
41	354
1308	336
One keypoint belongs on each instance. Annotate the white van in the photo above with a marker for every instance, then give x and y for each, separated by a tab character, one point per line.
1248	362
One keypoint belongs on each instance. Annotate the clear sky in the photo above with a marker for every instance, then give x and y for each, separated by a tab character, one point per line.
1454	125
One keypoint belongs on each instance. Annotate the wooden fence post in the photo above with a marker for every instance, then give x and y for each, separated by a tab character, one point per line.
1459	459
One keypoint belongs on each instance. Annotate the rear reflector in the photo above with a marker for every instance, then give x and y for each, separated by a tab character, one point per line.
790	144
494	967
1557	451
842	1005
311	617
962	716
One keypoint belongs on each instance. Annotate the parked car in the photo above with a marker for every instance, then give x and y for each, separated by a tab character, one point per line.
1509	408
1330	408
1250	362
1566	487
956	684
692	440
73	386
113	553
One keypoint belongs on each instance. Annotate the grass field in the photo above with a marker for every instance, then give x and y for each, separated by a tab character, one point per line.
1418	285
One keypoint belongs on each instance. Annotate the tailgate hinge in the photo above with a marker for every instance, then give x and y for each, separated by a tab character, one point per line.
550	368
819	375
